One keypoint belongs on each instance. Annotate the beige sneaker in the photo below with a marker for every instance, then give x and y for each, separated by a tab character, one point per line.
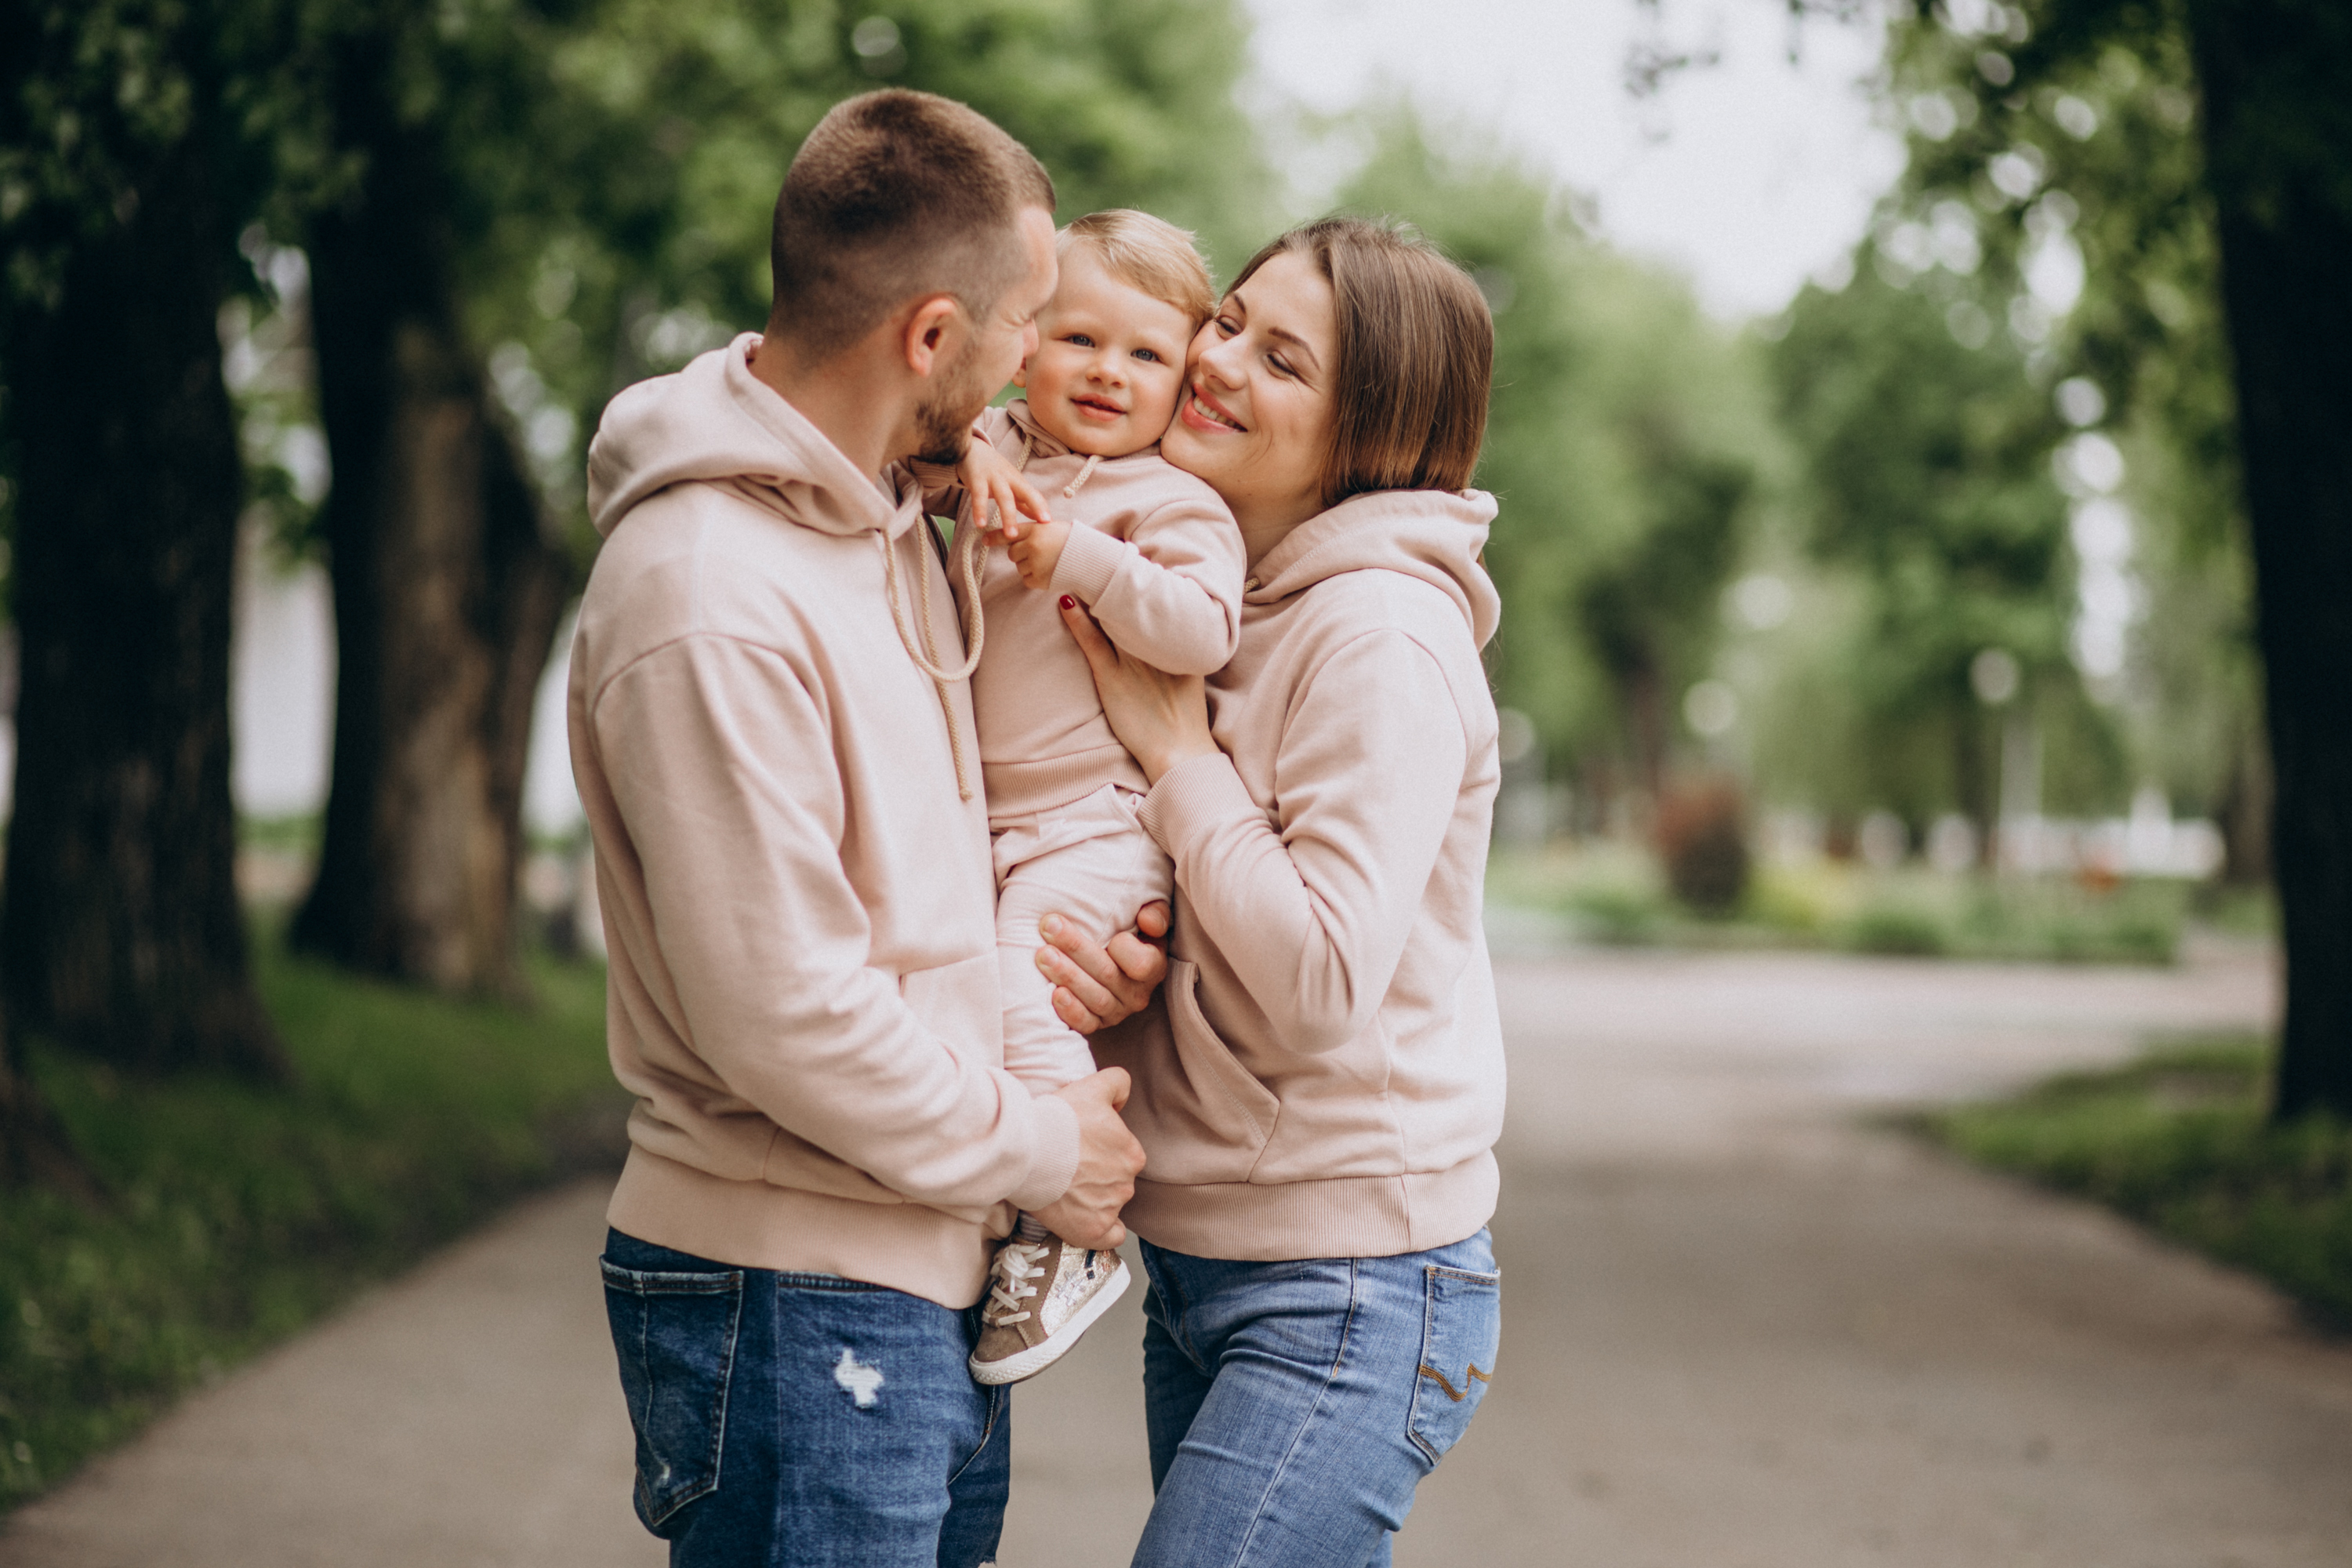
1042	1295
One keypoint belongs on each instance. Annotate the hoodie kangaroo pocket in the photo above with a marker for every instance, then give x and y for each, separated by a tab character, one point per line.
1222	1098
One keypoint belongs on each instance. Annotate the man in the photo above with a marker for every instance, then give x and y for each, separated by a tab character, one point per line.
775	752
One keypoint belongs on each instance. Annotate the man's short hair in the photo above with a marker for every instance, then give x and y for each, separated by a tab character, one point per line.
1146	253
897	196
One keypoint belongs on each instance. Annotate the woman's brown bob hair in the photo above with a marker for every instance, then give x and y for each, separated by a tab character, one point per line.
1416	351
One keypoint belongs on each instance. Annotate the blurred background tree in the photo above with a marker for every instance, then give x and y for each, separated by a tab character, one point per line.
2187	168
132	136
1979	494
555	199
1926	468
1627	443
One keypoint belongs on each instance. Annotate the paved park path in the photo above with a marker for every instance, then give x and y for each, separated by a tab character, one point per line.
1744	1330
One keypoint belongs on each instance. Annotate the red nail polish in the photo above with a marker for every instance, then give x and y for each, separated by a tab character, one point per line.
1068	603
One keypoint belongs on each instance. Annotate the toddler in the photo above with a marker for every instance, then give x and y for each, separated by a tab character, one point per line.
1158	559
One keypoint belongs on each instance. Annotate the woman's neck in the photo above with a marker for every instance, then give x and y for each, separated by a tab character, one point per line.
1259	542
1265	526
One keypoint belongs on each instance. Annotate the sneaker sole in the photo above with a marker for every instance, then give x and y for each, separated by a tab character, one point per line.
1038	1357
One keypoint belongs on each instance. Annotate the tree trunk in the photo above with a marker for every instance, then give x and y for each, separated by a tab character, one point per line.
120	929
2277	81
2246	810
447	590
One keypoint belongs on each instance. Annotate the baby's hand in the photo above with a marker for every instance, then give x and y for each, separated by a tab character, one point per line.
998	493
1036	555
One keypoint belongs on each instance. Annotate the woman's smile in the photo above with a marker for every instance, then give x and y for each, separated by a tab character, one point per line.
1256	422
1204	413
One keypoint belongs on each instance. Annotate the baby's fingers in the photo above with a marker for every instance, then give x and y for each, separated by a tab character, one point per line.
1027	497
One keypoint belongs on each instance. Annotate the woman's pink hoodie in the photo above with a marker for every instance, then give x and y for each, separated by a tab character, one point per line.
797	895
1324	1075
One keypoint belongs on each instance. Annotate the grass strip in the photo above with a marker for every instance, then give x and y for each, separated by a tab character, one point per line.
2178	1141
235	1214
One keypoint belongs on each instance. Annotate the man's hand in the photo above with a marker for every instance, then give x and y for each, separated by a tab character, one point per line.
1108	1160
1095	987
1036	555
999	493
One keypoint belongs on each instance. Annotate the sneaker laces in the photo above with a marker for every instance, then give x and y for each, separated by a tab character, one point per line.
1017	1263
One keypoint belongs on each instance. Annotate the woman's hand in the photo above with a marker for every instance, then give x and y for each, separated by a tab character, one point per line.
999	494
1161	719
1095	987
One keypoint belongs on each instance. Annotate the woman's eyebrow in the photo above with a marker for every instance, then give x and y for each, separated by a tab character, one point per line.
1287	336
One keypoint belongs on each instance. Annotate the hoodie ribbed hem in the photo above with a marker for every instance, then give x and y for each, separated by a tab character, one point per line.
1090	559
1352	1216
1019	791
1195	794
1055	1163
905	1246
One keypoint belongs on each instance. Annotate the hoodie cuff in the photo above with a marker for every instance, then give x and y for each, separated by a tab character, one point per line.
1191	797
1054	1163
1090	559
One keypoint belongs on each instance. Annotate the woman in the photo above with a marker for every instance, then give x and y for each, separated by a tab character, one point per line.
1320	1087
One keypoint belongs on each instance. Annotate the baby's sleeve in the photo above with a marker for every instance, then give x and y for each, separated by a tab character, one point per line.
1170	593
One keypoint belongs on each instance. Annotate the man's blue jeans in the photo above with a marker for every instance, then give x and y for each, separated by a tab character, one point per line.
1292	1408
803	1418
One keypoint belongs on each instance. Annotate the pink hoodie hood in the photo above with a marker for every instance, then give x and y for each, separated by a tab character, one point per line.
715	420
1433	535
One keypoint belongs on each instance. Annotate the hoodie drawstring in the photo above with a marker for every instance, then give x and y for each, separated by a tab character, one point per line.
927	657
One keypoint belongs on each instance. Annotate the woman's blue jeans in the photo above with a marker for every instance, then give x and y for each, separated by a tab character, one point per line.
803	1418
1292	1408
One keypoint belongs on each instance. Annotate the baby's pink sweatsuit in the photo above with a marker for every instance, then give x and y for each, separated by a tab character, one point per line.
1157	557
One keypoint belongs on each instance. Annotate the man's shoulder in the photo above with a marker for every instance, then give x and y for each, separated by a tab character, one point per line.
704	558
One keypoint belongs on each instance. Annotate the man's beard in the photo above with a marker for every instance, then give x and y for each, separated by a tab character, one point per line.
944	420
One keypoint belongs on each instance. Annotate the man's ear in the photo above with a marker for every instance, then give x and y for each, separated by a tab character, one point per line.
1020	376
930	338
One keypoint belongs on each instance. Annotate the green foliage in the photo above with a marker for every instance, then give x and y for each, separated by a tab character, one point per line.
237	1215
1619	896
622	225
2069	130
1627	444
2179	1142
1927	470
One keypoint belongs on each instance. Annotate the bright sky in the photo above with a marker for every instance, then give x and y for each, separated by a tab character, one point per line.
1747	176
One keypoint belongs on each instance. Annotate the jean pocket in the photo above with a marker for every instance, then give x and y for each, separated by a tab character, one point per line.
674	1334
1461	1328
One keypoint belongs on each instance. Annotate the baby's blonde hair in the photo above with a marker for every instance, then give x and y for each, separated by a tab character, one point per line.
1146	253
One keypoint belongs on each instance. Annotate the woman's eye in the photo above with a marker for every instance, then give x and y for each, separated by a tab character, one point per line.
1281	366
1227	326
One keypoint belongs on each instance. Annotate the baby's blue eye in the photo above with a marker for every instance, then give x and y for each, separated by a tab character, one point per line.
1079	340
1147	354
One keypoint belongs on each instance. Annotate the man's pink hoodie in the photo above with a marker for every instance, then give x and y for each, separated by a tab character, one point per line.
792	856
1324	1077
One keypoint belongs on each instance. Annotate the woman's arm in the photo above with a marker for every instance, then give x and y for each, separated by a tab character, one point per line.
1313	913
